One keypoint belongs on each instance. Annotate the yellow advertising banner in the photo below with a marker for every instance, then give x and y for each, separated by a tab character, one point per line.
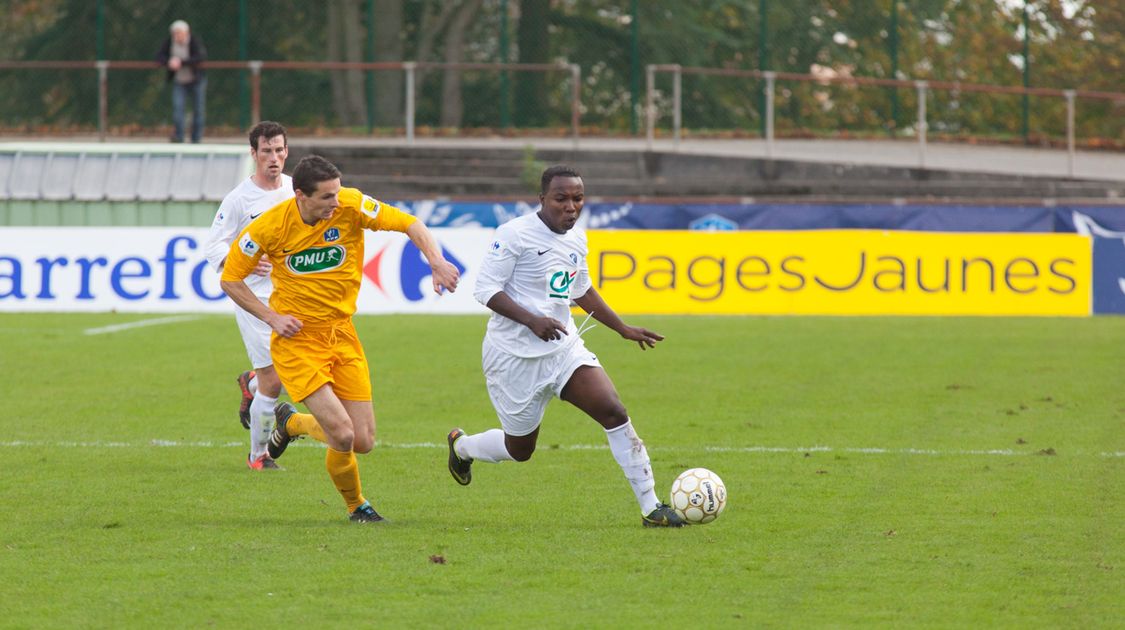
842	272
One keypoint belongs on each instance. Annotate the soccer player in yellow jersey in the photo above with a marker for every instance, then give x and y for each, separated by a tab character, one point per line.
315	241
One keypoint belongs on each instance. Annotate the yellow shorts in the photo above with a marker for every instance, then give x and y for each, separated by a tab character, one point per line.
322	353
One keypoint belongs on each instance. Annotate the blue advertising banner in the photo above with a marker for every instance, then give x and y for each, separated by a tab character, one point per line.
788	216
438	213
1109	275
1102	220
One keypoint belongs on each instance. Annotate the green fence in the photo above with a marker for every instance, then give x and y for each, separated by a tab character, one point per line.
70	213
1041	43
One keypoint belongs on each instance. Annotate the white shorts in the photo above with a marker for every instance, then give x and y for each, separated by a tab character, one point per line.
520	388
256	337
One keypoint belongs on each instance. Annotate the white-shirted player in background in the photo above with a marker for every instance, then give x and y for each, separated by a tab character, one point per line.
533	351
266	188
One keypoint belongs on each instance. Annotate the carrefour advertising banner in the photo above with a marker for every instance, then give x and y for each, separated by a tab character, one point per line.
164	270
842	272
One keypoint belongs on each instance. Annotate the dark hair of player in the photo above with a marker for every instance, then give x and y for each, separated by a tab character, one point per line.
267	129
310	171
555	171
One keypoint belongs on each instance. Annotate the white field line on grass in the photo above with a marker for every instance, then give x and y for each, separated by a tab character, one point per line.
571	447
140	324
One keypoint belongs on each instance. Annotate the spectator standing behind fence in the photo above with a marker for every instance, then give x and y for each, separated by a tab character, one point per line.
181	53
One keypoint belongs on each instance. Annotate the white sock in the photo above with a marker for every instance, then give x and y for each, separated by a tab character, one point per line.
485	447
252	385
630	453
261	423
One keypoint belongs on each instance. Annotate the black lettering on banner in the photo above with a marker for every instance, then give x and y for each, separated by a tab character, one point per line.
944	283
45	286
900	272
1011	273
1059	274
670	272
790	272
740	273
15	278
603	257
858	276
965	262
717	283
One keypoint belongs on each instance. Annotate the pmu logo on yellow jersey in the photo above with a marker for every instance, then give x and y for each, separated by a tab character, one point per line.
316	259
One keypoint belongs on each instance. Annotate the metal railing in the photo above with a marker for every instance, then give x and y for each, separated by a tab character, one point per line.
410	69
256	67
923	88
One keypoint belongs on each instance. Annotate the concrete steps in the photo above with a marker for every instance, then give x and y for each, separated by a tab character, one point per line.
506	172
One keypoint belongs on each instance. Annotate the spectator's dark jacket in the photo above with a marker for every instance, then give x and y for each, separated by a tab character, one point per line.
197	53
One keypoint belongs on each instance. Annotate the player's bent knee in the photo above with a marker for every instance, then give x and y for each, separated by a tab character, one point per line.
520	452
521	456
271	389
363	444
614	417
341	439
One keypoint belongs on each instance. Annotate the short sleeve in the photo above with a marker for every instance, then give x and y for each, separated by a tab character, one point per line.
376	215
223	231
243	256
498	264
582	282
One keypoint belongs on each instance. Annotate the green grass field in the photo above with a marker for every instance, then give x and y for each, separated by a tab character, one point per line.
925	472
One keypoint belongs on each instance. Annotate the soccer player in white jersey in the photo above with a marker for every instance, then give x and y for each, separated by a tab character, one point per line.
266	188
533	351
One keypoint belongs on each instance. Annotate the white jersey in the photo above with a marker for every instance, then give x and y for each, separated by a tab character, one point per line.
241	206
540	270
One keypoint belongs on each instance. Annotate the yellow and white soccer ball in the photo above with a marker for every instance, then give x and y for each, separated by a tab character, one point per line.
699	496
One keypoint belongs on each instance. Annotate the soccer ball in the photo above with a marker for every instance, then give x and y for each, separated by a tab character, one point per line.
699	496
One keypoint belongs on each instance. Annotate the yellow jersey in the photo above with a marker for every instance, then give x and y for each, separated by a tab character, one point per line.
316	268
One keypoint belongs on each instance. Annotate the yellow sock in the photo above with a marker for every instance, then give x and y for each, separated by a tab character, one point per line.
305	424
344	471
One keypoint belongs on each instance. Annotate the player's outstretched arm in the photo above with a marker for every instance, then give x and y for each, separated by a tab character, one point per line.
593	303
445	275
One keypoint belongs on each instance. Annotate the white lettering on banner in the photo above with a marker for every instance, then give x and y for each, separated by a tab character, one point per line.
139	269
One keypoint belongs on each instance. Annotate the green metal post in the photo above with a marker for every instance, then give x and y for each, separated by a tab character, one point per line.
243	54
99	37
99	54
370	73
763	51
634	68
505	85
1026	68
893	31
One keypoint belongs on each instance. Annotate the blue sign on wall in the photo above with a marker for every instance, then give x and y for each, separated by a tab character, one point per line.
1109	275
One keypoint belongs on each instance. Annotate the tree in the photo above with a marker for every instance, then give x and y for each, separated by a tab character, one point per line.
344	44
533	42
389	47
452	109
